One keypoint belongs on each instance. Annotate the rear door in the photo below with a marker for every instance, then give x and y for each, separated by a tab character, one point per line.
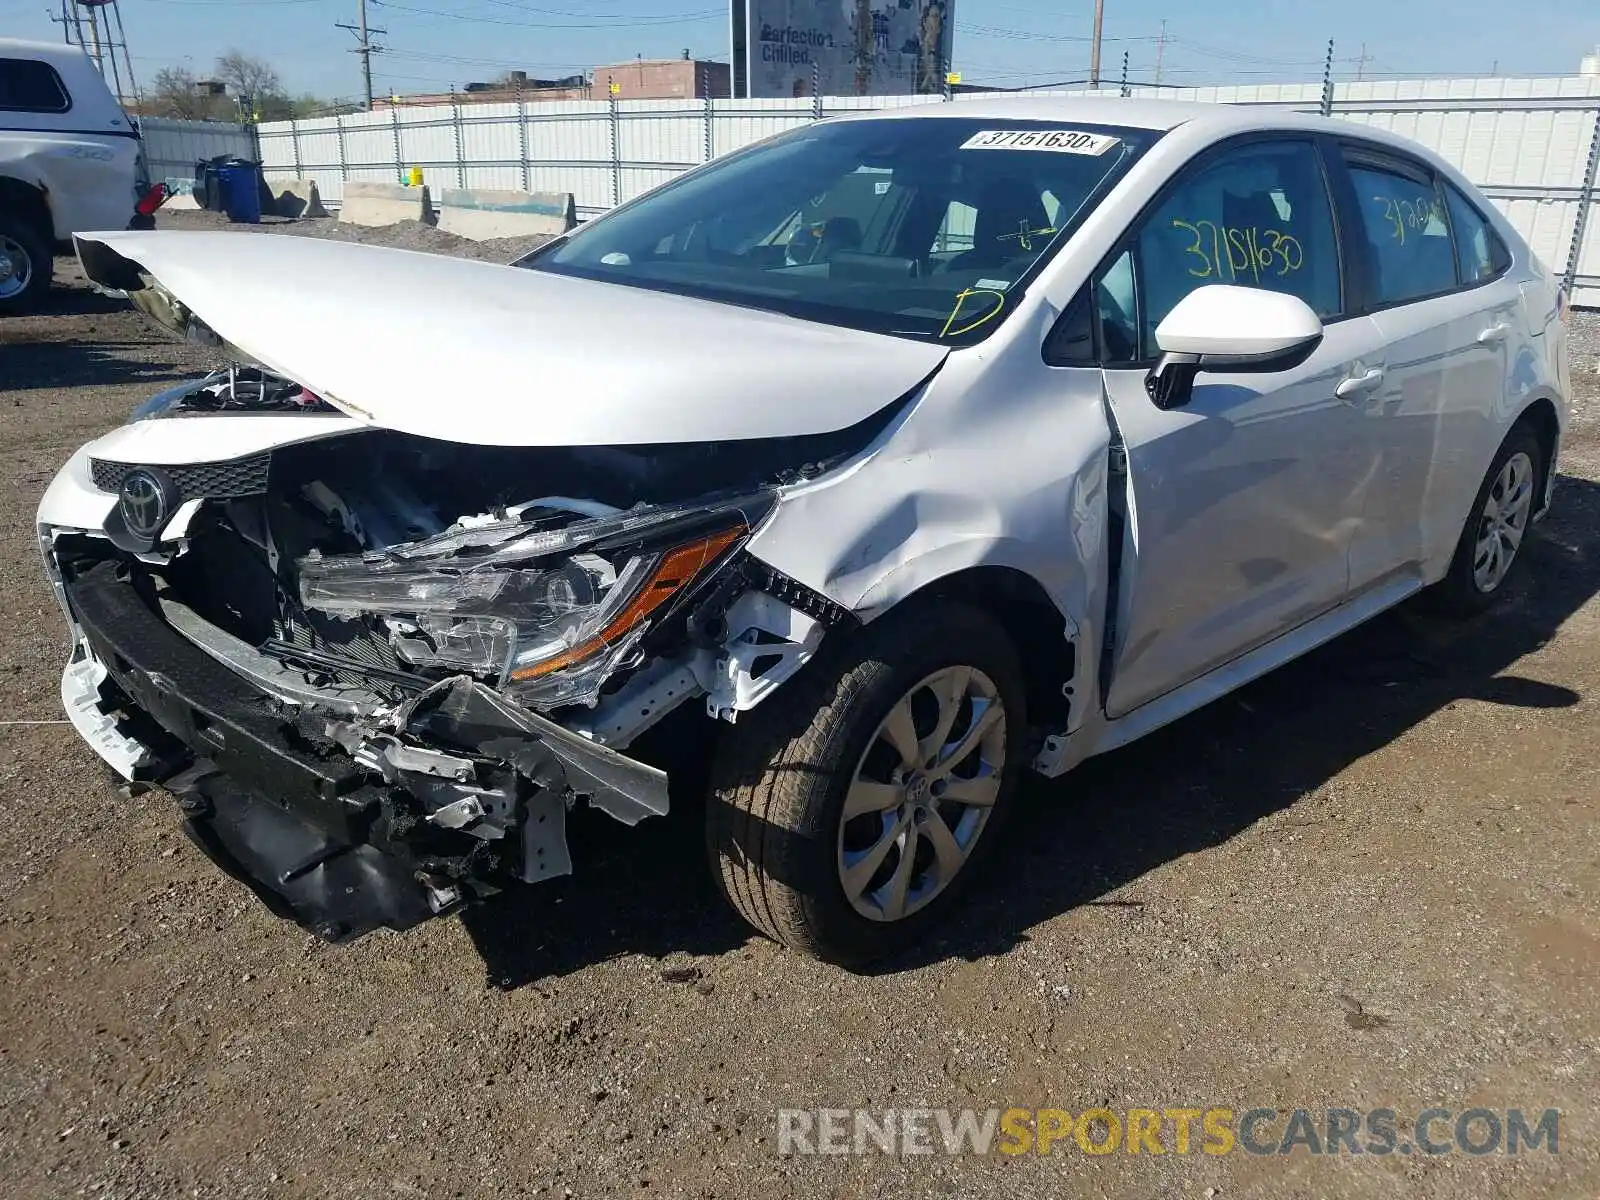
1448	313
1242	502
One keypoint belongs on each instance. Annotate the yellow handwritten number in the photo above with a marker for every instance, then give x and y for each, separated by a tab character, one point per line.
1195	249
1236	251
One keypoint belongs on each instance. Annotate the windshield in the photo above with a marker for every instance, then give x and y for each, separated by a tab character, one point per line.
922	227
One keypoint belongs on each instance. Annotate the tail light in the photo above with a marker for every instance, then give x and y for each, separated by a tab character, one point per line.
155	196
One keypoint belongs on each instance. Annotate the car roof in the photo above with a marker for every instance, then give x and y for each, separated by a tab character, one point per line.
1110	108
55	53
1207	121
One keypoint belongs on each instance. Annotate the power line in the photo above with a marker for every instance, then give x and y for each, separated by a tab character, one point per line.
1002	33
620	23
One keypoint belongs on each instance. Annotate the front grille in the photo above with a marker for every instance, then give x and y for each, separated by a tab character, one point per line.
220	480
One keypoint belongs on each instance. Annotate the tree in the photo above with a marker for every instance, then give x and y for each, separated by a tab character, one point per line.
256	86
254	92
246	76
174	93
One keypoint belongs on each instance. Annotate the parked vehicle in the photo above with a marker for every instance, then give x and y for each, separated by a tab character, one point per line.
70	161
914	449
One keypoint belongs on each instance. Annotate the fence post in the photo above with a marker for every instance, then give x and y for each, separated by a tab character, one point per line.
612	122
344	162
294	138
394	131
522	138
1327	82
1586	200
455	124
709	117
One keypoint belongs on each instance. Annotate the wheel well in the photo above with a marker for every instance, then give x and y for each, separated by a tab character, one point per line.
27	202
1540	416
1036	628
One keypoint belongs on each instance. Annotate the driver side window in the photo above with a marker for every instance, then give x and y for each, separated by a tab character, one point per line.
1257	216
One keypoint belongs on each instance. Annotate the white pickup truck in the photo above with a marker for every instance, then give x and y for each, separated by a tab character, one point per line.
70	162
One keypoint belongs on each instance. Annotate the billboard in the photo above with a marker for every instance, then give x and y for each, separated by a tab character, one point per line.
850	47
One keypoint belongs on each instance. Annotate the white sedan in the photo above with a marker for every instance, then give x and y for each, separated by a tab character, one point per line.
902	453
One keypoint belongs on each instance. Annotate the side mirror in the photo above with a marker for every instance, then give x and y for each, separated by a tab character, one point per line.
1221	327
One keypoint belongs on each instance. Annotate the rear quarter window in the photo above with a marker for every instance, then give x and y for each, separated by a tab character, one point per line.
27	85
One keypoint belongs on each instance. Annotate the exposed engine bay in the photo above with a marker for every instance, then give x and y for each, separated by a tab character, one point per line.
346	566
446	645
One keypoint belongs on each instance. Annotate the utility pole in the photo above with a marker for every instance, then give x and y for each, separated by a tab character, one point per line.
1161	50
1094	50
1361	62
364	48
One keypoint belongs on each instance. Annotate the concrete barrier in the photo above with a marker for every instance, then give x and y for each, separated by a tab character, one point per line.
297	198
367	203
481	214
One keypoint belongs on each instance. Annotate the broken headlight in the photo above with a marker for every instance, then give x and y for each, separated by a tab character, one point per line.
547	613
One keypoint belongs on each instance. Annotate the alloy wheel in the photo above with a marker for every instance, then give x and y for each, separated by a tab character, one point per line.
1503	522
922	794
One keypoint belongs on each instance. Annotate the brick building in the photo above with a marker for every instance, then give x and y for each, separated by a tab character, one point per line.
638	79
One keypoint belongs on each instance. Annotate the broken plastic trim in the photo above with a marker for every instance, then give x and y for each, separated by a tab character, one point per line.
462	715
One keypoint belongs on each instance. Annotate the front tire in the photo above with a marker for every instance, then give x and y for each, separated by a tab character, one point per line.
853	807
1488	554
25	266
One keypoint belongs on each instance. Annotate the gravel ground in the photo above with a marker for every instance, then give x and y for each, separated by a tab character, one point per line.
404	235
1369	880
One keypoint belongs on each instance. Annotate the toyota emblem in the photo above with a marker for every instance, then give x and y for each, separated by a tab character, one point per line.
146	502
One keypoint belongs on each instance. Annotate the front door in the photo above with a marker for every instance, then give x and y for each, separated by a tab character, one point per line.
1243	503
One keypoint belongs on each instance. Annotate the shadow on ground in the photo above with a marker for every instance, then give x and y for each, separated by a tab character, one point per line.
27	366
46	350
1077	840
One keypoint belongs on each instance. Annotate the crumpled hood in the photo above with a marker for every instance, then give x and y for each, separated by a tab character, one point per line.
494	355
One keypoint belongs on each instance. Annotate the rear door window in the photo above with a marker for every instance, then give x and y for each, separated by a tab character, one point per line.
1480	254
27	85
1406	231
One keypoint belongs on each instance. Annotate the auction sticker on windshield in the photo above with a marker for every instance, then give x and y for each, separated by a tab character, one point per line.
1056	141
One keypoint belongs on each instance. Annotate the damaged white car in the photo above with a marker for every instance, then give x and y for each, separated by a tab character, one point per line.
908	451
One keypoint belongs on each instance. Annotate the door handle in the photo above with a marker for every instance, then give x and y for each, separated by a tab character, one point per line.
1493	335
1357	384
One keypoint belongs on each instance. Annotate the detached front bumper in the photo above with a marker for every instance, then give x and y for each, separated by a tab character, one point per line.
466	793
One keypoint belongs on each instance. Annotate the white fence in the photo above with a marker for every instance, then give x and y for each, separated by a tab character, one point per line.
1532	145
171	148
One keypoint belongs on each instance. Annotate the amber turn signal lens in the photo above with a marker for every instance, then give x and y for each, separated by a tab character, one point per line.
677	569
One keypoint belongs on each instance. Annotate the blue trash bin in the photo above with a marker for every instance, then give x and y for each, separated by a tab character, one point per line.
241	192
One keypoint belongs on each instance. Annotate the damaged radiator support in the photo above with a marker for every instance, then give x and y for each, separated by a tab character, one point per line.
345	823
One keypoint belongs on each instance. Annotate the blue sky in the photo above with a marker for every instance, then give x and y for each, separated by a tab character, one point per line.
434	43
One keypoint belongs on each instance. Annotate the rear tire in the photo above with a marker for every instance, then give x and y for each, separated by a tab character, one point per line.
25	266
1489	553
941	681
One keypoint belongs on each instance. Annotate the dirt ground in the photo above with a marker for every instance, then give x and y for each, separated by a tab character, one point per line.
403	235
1370	880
